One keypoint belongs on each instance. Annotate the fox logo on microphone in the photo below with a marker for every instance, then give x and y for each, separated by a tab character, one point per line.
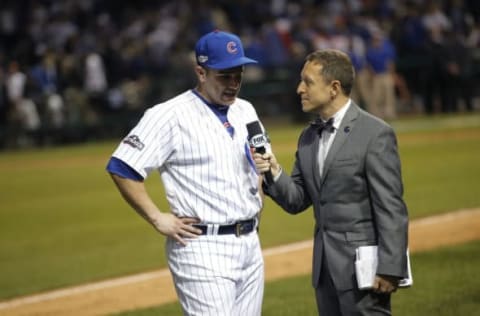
259	140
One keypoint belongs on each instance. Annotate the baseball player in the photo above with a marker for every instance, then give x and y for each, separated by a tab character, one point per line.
198	142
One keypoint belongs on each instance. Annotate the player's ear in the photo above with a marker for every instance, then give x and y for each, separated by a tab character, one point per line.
201	73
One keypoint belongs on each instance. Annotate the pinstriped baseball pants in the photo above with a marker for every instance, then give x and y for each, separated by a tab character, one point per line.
218	274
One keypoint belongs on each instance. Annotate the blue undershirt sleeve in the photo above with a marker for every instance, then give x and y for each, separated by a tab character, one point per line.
118	167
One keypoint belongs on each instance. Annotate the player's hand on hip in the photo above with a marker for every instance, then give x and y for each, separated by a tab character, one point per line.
266	162
175	227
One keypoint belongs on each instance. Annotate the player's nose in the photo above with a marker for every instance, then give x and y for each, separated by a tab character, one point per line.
234	81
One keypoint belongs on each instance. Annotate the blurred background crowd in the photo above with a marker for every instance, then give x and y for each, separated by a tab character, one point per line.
76	70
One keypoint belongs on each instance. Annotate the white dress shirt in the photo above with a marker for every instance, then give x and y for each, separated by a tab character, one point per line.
327	137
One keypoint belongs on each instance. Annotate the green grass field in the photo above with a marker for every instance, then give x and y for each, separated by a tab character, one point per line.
62	222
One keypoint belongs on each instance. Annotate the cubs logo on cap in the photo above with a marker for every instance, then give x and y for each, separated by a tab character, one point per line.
232	47
221	50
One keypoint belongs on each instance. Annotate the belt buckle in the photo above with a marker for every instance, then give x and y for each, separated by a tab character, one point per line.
238	229
243	227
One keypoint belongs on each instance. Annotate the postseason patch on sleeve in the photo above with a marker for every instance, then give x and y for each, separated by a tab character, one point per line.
134	141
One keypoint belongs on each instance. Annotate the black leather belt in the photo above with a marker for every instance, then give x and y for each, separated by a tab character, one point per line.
239	228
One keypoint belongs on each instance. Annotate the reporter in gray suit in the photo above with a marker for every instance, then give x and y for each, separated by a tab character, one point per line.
349	170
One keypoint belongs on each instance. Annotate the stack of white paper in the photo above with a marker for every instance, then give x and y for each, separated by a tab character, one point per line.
366	268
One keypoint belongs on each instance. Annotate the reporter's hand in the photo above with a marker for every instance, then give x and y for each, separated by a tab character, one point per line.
266	162
385	284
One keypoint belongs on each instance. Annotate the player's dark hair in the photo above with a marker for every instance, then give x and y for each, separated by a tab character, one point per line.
336	65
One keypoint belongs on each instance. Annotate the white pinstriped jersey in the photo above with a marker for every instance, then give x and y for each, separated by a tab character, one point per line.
206	173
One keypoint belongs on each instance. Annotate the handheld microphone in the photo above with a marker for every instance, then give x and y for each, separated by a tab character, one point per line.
257	140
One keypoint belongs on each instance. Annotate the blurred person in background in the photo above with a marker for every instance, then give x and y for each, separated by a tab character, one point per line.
3	105
439	67
23	116
361	87
380	58
46	82
409	36
95	80
3	98
459	74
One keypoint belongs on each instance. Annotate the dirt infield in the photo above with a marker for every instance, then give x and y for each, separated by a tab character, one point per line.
155	288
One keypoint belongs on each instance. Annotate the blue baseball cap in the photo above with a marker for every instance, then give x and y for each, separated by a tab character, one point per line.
221	50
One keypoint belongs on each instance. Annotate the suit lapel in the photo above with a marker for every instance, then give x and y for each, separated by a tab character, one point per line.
314	155
341	136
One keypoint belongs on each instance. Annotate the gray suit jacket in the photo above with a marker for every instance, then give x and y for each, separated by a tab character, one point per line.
358	201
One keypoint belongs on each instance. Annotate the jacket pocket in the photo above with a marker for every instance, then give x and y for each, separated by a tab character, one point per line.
340	163
360	236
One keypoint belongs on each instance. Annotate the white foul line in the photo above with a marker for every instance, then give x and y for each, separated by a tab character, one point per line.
83	289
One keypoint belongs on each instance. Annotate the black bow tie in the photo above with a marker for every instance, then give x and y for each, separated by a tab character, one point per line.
320	125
